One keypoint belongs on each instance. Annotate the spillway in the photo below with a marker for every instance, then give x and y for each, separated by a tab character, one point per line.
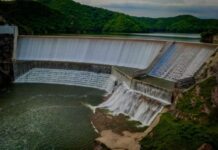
181	61
117	52
152	92
68	77
133	104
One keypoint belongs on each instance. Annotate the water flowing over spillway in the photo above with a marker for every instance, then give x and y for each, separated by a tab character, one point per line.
68	77
123	100
128	53
133	104
154	92
181	61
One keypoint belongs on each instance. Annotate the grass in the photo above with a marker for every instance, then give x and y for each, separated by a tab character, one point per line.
171	134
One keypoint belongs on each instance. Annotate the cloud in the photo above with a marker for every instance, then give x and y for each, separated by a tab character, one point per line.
159	8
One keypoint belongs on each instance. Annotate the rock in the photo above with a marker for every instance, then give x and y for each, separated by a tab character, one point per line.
215	96
205	109
2	20
193	102
205	146
197	90
99	146
6	48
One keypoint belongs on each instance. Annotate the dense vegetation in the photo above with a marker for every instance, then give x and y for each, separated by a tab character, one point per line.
193	123
67	16
84	18
34	18
171	134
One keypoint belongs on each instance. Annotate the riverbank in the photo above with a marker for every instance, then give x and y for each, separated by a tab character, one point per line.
117	132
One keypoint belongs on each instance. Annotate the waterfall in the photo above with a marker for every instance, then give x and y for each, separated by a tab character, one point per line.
105	51
154	92
68	77
135	105
123	99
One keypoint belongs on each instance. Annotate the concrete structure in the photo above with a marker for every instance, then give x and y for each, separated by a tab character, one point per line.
215	39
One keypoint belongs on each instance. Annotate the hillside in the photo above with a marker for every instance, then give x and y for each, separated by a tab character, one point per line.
67	16
34	18
193	123
97	19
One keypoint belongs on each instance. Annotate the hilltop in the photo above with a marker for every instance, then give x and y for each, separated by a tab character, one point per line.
67	17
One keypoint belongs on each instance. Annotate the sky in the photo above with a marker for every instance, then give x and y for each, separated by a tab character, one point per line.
159	8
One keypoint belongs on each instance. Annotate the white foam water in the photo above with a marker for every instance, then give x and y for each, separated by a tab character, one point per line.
181	61
68	77
155	93
128	53
135	105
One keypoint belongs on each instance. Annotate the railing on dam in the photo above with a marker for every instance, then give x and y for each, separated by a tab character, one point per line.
107	51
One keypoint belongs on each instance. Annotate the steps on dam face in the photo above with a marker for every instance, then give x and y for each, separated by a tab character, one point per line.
152	87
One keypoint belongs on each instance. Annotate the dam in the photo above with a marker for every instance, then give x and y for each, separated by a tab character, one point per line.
138	75
55	78
114	52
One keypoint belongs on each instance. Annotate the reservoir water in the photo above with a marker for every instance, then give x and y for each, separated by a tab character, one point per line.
179	37
183	37
40	116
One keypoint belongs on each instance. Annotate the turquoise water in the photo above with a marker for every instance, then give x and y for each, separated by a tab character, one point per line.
37	116
180	37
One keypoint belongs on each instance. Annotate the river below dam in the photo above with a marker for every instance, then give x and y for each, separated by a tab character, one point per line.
42	116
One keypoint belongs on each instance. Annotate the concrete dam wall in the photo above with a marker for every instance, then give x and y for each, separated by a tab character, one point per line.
173	62
120	52
89	61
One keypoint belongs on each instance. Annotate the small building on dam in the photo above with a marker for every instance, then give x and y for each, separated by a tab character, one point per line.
140	75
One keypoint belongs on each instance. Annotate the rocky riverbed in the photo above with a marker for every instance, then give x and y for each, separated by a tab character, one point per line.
117	132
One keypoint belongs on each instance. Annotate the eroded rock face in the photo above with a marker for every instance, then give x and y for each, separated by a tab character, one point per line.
6	51
197	90
215	96
216	71
2	20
